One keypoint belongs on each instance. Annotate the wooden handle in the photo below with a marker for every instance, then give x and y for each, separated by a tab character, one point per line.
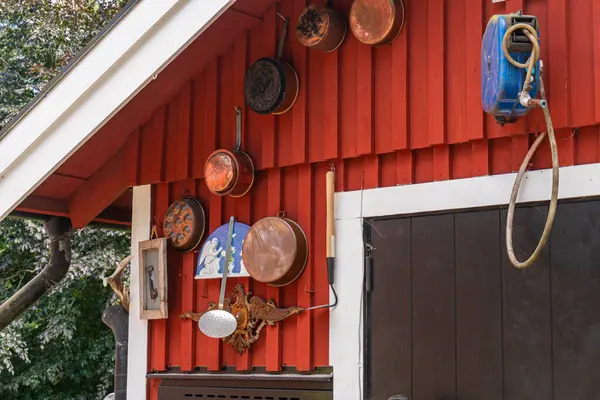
330	189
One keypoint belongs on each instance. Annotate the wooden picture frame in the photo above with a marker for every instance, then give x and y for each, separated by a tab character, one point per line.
153	279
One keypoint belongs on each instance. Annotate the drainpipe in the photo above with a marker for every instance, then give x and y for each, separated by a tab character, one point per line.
117	319
60	230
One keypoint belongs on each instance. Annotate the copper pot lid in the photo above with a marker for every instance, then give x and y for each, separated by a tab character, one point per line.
184	224
269	249
220	171
372	21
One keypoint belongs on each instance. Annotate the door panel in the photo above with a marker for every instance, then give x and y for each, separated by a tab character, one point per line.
392	373
575	280
450	318
526	304
433	308
479	305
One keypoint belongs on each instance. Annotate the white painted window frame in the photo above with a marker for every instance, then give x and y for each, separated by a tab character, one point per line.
111	73
137	352
351	208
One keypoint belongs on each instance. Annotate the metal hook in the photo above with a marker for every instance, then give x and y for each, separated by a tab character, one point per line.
281	214
238	128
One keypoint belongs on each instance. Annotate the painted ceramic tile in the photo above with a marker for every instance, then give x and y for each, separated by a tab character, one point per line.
212	255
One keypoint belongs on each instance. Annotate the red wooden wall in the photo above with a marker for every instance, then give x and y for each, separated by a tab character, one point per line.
400	114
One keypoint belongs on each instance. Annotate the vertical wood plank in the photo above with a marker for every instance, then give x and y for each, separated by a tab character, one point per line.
348	101
299	114
159	326
527	341
330	93
520	147
371	171
565	139
214	349
479	305
558	62
153	142
399	103
184	102
364	100
436	68
269	139
474	33
391	345
132	158
172	138
596	39
480	159
188	299
153	385
305	287
433	286
383	109
419	106
441	163
405	172
211	110
274	344
174	280
575	285
198	152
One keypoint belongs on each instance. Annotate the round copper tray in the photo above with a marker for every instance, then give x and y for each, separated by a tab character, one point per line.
184	224
275	251
376	22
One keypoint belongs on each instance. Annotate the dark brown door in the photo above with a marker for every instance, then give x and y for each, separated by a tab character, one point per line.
448	316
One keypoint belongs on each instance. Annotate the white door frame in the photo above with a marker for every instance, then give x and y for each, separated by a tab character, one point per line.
137	347
346	330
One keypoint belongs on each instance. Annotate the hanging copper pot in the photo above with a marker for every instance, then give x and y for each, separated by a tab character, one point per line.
271	86
184	224
377	22
321	28
275	251
230	172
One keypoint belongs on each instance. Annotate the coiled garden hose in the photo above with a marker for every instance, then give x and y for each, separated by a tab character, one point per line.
532	35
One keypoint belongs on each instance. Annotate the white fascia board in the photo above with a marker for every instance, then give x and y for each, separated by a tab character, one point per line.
136	49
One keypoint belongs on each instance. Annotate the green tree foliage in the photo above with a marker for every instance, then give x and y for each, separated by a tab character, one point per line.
60	348
37	38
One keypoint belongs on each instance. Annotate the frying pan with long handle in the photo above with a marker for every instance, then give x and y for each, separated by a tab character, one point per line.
271	86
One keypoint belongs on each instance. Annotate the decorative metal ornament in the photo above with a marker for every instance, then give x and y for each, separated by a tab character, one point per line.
252	315
184	224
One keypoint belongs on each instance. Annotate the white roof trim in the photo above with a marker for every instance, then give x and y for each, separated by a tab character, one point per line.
113	71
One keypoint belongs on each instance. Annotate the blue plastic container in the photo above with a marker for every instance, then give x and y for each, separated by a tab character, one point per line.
501	82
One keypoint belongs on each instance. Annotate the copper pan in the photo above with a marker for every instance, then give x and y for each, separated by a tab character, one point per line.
377	22
275	251
230	172
321	28
184	224
271	86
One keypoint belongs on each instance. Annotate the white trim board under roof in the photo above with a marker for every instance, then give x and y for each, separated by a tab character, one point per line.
128	56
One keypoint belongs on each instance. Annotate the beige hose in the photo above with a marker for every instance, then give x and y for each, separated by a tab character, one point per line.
532	35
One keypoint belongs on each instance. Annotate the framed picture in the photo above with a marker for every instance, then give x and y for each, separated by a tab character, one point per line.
153	279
